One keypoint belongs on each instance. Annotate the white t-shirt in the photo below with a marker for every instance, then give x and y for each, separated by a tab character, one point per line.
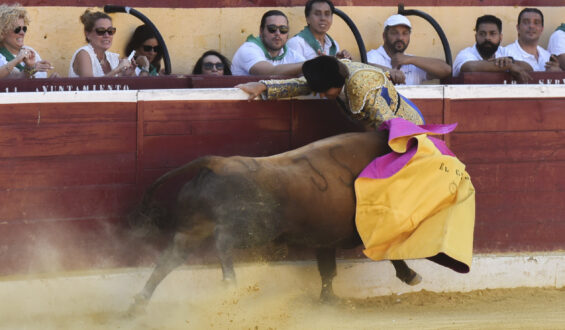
299	45
556	45
471	54
3	61
97	71
250	54
519	54
414	75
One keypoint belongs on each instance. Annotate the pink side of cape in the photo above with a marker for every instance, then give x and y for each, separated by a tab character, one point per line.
387	165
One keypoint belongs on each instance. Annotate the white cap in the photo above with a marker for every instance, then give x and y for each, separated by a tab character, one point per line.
397	19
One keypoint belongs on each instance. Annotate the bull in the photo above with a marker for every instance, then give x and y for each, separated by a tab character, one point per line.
304	198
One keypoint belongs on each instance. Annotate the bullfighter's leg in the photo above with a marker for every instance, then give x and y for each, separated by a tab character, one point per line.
177	253
325	258
405	273
224	247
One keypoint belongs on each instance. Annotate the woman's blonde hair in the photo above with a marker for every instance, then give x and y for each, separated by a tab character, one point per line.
9	15
89	18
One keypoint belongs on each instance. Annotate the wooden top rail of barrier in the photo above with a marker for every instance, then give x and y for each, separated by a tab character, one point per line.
200	81
492	78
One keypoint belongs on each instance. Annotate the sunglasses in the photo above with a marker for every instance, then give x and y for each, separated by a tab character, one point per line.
19	29
209	66
102	31
147	48
272	28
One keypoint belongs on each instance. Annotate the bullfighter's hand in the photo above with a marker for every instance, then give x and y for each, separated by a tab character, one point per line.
254	89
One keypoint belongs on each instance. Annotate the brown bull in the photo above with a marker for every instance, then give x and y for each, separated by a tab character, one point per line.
303	197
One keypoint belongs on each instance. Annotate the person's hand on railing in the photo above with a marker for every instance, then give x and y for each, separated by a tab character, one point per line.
553	64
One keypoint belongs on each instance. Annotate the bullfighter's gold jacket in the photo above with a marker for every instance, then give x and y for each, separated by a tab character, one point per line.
368	92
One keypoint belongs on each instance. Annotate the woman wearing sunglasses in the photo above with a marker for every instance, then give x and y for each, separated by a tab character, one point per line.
94	59
17	60
212	63
148	52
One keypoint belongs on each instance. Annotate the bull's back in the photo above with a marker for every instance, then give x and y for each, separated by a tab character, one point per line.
313	185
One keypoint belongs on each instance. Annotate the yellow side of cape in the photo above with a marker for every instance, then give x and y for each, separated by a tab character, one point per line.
425	209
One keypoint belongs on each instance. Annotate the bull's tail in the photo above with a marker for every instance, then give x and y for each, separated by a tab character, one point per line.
149	217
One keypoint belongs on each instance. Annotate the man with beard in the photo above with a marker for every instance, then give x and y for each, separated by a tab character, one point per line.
525	48
314	40
486	55
404	68
268	54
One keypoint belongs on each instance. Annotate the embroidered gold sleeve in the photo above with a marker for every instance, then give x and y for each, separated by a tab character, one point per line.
277	89
373	97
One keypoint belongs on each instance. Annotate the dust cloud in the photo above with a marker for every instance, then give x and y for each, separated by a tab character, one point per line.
268	296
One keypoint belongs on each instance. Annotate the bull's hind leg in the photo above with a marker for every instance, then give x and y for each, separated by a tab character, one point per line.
325	258
177	253
405	273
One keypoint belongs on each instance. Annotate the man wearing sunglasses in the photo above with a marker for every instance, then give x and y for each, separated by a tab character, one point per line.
268	54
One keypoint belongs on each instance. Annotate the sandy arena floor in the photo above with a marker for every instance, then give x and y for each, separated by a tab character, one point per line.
185	301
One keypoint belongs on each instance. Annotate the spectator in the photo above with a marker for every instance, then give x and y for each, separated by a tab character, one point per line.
404	68
486	55
94	59
368	94
212	63
556	45
16	59
526	48
148	52
314	39
268	54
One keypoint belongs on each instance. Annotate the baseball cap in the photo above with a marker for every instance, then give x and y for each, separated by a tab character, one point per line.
397	19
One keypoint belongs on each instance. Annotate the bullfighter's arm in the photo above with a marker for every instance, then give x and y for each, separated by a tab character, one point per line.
277	89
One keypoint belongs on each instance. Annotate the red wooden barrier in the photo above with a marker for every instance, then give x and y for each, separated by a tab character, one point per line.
71	170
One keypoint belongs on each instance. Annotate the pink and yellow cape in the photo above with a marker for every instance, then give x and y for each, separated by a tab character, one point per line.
417	201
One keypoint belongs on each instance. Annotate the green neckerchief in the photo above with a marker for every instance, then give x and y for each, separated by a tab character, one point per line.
561	27
307	35
152	70
9	56
259	43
